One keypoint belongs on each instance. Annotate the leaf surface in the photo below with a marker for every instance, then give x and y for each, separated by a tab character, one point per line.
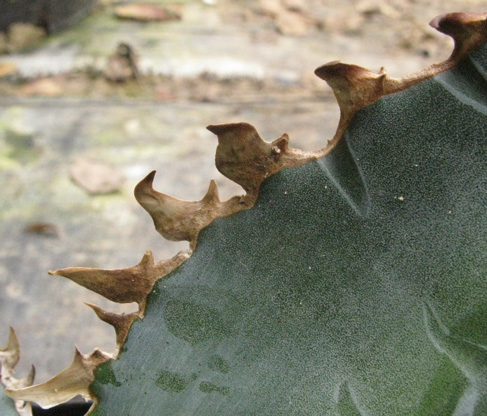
355	284
7	406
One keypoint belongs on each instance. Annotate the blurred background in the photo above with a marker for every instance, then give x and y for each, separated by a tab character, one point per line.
96	94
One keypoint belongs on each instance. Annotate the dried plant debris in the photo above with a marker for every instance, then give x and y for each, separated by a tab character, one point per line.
71	382
245	158
122	65
43	228
7	69
9	357
146	12
46	87
96	177
289	17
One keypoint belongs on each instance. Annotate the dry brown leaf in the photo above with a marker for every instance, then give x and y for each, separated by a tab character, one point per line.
7	68
48	87
292	23
145	12
43	228
289	17
270	7
96	177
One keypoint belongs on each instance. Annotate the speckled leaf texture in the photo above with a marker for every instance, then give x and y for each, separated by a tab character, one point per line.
356	285
7	407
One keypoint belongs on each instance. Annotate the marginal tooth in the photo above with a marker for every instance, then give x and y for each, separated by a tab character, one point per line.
212	196
29	379
91	409
466	29
228	131
165	206
10	355
121	323
23	408
174	219
243	157
131	284
9	358
354	87
246	159
241	154
179	220
15	384
280	145
74	380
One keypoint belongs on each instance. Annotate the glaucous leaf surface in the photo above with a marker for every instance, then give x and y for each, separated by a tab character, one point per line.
356	285
7	407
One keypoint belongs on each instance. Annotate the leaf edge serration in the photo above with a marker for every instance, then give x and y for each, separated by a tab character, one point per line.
245	158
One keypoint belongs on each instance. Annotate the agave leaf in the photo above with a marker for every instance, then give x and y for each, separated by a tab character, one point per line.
355	285
7	406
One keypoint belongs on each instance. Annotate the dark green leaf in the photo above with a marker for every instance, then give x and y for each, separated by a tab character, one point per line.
355	286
